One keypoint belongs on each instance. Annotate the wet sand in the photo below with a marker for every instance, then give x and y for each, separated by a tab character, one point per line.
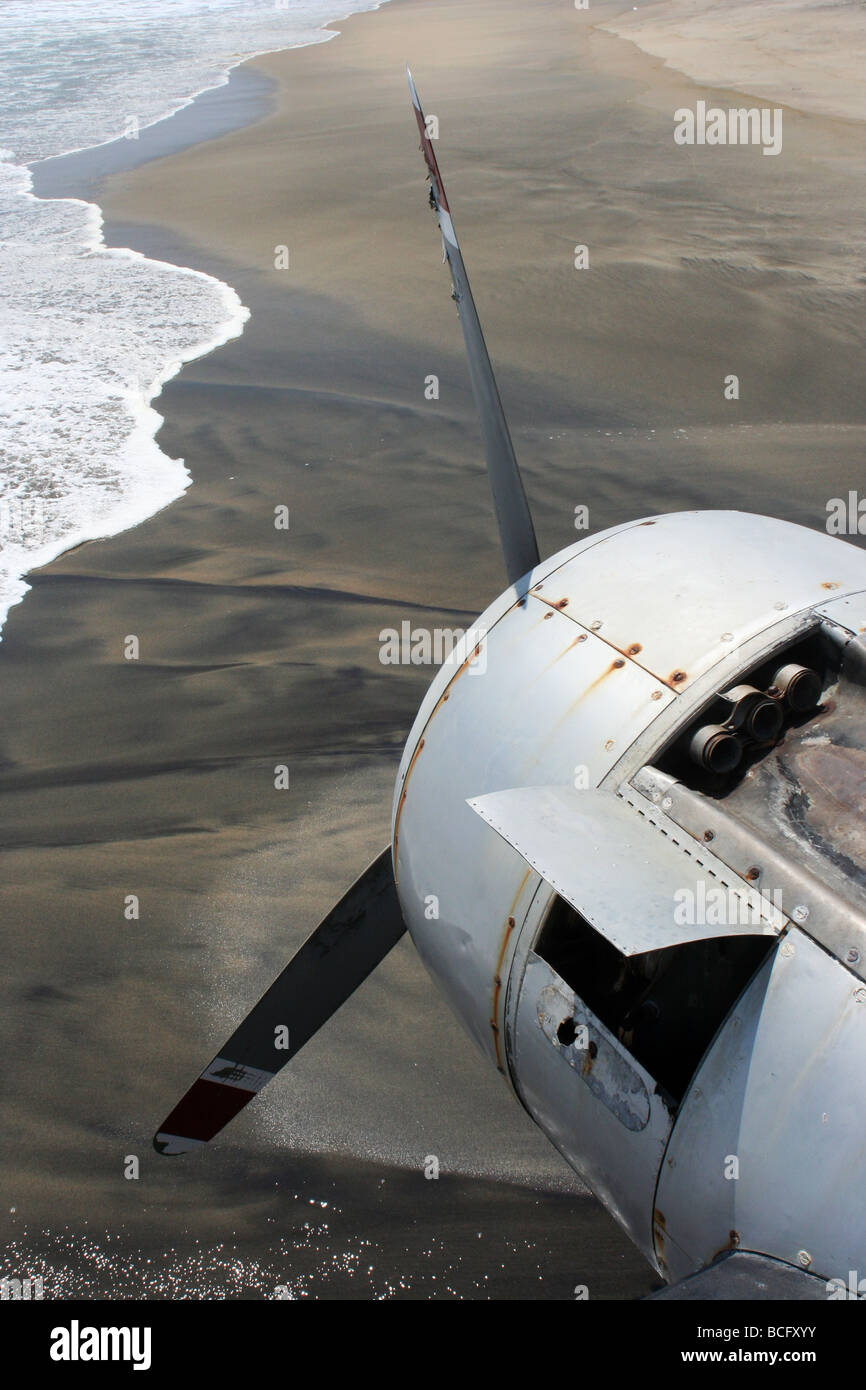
804	53
257	646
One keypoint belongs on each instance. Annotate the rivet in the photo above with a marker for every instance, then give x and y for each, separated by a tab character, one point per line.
804	1258
709	834
787	948
726	637
667	803
596	625
860	996
656	695
800	913
853	956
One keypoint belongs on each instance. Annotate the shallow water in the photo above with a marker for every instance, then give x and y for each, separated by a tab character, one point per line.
89	336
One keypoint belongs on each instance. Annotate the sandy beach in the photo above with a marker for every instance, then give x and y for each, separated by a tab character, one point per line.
803	53
260	646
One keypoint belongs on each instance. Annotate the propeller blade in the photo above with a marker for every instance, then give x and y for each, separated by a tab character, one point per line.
343	950
516	531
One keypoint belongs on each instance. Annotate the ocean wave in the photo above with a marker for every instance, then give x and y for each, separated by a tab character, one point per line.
90	334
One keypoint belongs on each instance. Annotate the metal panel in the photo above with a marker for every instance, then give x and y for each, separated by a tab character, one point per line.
849	613
679	592
780	1091
806	898
502	607
612	1076
744	1275
543	701
631	880
613	1132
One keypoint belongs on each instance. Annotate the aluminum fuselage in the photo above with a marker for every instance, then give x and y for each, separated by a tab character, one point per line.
576	677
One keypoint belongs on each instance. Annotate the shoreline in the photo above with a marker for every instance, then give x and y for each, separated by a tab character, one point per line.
75	175
245	96
803	62
241	99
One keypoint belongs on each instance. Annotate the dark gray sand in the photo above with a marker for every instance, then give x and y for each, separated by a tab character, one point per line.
257	647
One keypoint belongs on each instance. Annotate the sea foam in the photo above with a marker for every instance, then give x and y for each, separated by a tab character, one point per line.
89	334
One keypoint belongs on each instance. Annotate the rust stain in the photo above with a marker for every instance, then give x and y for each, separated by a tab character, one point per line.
497	977
589	1057
631	650
575	641
555	605
732	1244
830	584
402	800
476	651
593	685
608	671
659	1235
834	778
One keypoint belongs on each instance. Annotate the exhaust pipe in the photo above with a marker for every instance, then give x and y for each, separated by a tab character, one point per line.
715	748
798	686
753	713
